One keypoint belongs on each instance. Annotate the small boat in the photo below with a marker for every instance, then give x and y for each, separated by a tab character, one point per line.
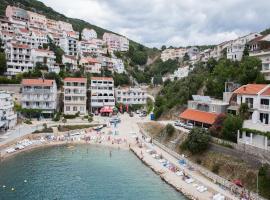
10	150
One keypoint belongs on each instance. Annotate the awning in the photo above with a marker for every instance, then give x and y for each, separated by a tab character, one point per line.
106	110
199	116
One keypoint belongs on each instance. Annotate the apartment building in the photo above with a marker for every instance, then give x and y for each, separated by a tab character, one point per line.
91	65
70	62
118	65
75	96
115	42
52	26
203	111
39	94
193	53
173	54
18	58
64	26
220	50
257	97
236	47
88	34
102	93
87	48
8	118
43	57
37	21
69	45
260	48
17	16
130	96
181	72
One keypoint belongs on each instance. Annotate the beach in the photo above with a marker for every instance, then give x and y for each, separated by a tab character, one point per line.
126	135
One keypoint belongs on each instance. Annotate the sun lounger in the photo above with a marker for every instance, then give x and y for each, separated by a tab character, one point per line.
201	188
10	150
189	180
179	173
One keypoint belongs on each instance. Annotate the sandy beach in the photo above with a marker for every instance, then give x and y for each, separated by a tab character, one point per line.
128	137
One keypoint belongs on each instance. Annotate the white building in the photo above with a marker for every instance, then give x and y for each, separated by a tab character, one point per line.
102	93
18	58
115	42
70	62
88	34
69	45
236	47
181	72
87	48
220	50
44	57
130	96
37	21
260	48
118	65
17	15
39	94
8	118
91	65
64	26
173	54
193	53
75	96
257	97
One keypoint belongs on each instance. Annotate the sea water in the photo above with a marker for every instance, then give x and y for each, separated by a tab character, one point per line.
80	172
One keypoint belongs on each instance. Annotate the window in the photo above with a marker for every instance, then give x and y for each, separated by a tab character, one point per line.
75	108
82	109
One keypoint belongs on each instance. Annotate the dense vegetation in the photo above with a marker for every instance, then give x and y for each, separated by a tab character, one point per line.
198	141
210	77
179	92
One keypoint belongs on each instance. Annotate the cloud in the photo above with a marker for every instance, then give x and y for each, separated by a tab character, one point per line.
171	22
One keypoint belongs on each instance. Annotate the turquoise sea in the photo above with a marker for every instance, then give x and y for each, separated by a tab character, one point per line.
81	173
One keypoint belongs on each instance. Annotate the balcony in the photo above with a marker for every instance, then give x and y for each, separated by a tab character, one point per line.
265	107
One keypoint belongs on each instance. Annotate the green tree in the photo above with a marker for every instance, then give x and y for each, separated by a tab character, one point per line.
186	57
3	63
244	111
197	142
245	52
139	57
163	47
230	127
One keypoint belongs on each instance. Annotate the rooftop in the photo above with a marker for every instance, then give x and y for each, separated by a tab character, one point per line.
199	116
37	82
72	79
250	89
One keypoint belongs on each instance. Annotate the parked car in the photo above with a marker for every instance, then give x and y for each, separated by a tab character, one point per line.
189	126
138	112
176	123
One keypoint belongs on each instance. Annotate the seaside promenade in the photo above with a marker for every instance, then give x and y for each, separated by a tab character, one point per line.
127	131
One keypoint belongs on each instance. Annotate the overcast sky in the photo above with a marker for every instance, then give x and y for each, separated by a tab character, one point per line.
171	22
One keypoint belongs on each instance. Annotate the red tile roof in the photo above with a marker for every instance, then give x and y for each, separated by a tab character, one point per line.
89	60
266	92
38	82
71	79
250	89
102	78
199	116
22	46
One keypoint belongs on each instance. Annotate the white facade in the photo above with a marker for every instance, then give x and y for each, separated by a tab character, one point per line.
102	93
173	54
75	96
39	94
236	47
8	118
37	21
88	34
116	42
87	48
70	61
181	72
91	65
17	15
64	26
44	57
118	65
18	58
130	96
69	45
257	97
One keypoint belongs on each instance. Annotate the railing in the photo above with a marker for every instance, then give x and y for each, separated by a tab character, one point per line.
266	107
215	178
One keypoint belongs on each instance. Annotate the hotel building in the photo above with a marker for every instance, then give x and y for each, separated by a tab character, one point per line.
75	90
130	96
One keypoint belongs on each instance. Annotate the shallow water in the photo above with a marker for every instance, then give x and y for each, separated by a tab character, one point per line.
83	172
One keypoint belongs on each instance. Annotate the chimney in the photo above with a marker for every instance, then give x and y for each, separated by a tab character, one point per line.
245	88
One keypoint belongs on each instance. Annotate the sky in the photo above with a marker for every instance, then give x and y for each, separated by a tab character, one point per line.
171	22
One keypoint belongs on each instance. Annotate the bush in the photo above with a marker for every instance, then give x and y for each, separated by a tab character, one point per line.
216	168
169	129
230	127
28	121
71	116
197	142
57	117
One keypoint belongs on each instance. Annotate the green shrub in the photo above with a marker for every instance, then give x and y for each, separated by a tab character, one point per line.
28	121
169	130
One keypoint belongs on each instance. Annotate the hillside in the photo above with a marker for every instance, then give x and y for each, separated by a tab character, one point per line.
41	8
